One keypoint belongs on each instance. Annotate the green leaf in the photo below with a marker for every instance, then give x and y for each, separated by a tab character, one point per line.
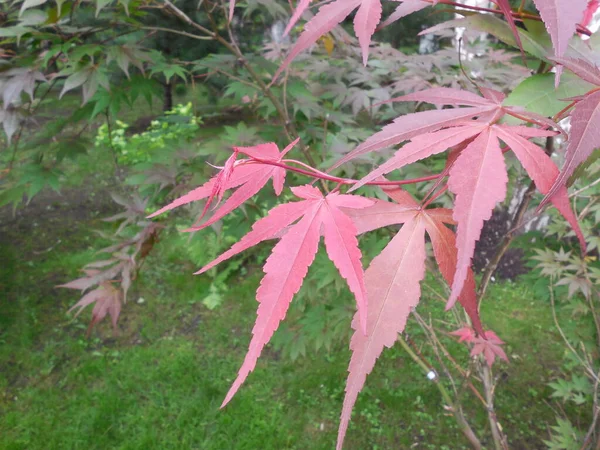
100	4
74	81
499	28
579	172
537	93
30	4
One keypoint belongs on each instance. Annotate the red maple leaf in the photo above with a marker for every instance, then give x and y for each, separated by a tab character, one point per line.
393	282
585	120
489	346
303	223
247	176
478	176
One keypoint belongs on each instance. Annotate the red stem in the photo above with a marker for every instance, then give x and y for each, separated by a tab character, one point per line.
314	173
515	14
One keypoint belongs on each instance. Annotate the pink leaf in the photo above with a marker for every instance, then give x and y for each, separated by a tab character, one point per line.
241	195
287	266
504	6
404	9
300	8
492	95
478	179
248	177
231	9
365	21
266	228
582	68
441	96
240	176
393	286
542	171
323	22
284	271
583	139
590	10
421	147
411	125
490	348
464	334
107	300
444	250
380	214
561	18
342	248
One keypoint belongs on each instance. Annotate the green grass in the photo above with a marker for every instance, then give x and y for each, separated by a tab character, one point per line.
159	383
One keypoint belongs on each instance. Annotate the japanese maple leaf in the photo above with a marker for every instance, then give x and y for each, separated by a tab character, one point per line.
107	300
393	282
366	21
478	177
285	269
585	124
490	347
561	18
248	177
329	16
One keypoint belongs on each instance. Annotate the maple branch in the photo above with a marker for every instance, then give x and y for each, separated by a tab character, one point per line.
315	173
465	428
489	389
519	15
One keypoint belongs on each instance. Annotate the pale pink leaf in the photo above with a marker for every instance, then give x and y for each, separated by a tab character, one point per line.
441	96
284	271
380	214
421	147
342	248
406	127
543	172
404	9
443	242
583	139
561	18
266	228
365	21
328	17
492	95
300	8
393	288
478	179
582	68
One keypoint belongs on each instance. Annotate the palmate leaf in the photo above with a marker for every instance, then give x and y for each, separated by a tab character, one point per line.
478	175
561	18
247	178
288	264
393	283
585	125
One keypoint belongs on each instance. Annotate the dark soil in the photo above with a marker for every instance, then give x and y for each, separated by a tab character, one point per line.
52	219
512	264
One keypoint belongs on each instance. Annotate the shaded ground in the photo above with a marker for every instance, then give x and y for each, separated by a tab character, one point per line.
512	264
